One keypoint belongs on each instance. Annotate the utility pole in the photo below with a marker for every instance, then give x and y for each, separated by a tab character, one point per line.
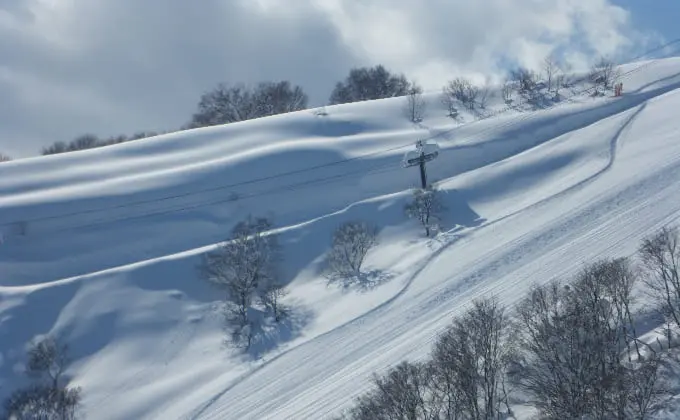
424	152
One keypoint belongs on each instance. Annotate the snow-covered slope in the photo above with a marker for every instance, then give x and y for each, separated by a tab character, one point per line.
100	246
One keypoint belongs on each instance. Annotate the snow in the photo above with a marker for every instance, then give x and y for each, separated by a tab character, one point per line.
101	246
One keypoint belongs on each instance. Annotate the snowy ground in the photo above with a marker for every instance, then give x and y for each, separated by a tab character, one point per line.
100	246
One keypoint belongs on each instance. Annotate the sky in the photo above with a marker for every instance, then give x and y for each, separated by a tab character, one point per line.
110	67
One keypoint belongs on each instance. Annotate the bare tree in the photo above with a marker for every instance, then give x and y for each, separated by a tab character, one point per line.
415	103
573	342
506	91
550	68
47	358
552	369
425	207
619	280
558	83
49	398
469	361
403	393
271	295
660	255
351	242
650	391
243	267
484	94
604	73
367	83
4	158
471	93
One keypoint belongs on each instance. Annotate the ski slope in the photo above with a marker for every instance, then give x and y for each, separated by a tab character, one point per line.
100	246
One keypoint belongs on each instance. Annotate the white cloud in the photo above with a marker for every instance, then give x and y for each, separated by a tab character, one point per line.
118	66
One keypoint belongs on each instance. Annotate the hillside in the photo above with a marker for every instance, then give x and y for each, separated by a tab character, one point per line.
101	246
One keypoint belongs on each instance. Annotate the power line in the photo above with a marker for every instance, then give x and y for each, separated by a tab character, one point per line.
296	186
293	187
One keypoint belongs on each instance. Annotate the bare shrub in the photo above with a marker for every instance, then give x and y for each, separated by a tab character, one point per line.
4	158
426	208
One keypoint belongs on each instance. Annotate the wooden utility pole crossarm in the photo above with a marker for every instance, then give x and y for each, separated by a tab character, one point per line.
424	152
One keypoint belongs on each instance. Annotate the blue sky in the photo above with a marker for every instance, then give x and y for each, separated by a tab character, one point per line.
661	16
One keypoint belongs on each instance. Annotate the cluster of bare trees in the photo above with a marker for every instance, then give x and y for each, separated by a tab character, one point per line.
246	269
90	141
578	352
226	104
4	158
367	83
459	90
49	396
353	240
463	379
570	350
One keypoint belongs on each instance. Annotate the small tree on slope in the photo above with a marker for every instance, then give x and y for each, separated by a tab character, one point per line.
426	207
245	267
49	398
415	104
351	243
